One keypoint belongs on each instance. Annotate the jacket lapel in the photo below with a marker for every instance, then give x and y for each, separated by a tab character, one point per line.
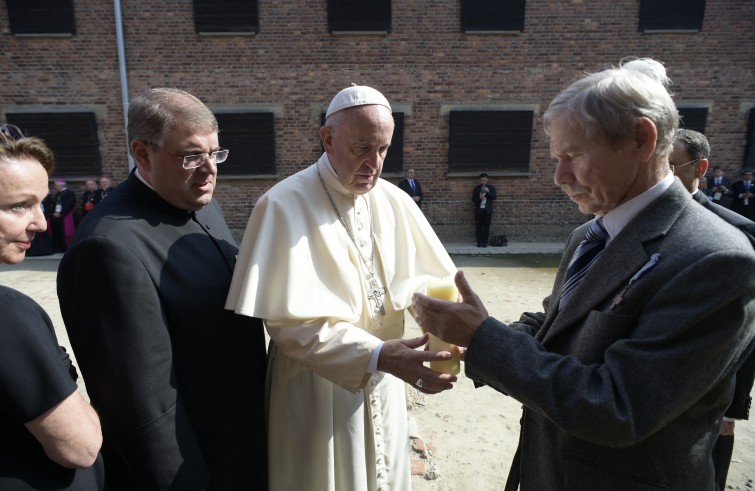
626	254
609	273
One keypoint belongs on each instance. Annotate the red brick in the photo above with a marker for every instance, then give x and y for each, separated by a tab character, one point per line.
424	62
418	467
418	445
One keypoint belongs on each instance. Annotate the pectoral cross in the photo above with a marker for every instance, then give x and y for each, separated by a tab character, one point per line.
374	292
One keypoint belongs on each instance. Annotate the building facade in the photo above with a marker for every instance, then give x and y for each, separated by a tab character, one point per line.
468	81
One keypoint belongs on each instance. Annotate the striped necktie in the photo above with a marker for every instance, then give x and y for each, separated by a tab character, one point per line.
588	250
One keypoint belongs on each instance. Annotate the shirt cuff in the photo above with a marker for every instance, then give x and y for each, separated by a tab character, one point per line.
372	367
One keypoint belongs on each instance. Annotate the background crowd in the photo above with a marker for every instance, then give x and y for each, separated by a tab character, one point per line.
64	211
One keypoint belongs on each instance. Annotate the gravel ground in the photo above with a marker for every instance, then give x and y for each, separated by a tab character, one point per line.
469	434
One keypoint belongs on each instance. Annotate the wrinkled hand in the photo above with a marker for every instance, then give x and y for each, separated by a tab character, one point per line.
400	358
452	322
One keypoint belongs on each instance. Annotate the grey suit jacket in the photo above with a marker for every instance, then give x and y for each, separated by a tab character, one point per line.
625	388
741	402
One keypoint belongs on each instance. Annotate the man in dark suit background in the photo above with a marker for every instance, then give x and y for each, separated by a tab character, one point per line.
743	192
412	187
689	161
483	196
177	380
720	187
624	379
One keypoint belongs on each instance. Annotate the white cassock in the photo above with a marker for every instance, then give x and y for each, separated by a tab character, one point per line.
333	425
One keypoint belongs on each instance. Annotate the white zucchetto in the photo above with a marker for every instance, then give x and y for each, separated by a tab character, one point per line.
356	95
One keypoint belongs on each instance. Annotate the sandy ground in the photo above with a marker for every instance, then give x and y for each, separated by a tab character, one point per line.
470	434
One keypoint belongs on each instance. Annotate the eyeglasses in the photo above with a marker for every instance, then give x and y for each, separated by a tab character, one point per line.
197	160
674	167
10	133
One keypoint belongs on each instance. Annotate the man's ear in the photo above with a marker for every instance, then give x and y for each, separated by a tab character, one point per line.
701	167
326	135
141	155
645	138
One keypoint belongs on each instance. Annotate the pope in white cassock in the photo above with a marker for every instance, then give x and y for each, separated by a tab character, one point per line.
330	259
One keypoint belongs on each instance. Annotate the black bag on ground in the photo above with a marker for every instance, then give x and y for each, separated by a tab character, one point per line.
498	240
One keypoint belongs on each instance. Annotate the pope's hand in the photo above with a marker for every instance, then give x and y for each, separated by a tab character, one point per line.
400	358
451	321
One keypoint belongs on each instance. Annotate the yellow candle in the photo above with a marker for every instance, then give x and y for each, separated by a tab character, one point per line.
445	290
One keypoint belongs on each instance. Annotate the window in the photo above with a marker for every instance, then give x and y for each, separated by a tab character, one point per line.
490	140
50	17
394	160
226	16
359	16
671	15
71	136
749	160
693	118
492	15
251	139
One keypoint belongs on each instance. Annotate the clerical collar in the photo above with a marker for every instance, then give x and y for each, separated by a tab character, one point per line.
329	167
330	176
139	176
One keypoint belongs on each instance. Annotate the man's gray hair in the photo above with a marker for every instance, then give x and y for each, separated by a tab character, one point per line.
608	104
152	114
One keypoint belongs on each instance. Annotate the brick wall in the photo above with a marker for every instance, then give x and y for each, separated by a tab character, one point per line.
424	63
